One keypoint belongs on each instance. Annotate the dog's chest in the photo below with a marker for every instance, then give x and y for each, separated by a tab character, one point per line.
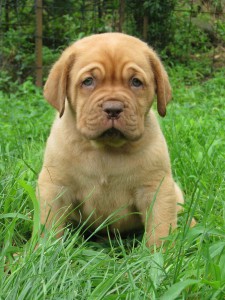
102	188
111	200
105	172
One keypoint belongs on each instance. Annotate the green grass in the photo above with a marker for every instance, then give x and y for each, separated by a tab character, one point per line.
193	265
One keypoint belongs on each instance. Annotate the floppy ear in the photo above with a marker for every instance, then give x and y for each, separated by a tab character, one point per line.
163	88
56	86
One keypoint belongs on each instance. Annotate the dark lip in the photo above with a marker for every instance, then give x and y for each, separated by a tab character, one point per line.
112	133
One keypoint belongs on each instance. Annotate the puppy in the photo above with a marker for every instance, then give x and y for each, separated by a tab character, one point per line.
106	155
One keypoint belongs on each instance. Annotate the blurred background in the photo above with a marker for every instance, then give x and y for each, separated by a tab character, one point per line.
34	33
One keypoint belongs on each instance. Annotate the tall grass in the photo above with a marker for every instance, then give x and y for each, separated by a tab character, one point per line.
76	267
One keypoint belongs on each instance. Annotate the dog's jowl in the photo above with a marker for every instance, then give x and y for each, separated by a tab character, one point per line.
106	155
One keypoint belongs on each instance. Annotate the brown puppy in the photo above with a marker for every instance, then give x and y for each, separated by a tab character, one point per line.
106	154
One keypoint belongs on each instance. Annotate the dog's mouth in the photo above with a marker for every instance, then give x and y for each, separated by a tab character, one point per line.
112	133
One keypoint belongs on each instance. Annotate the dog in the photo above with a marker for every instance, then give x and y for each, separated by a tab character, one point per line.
106	154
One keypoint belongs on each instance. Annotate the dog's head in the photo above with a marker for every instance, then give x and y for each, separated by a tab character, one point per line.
109	81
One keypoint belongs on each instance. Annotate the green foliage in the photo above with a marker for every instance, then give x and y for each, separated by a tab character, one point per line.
161	26
180	30
64	23
188	39
221	30
159	14
17	42
17	55
192	265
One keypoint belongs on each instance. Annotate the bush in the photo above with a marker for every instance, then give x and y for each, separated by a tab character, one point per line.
17	55
159	14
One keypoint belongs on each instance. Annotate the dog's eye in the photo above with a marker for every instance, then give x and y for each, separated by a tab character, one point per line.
89	81
135	82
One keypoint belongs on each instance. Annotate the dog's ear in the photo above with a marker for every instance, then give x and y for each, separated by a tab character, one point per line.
163	88
56	86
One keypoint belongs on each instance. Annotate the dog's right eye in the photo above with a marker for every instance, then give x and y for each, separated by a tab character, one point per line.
89	81
136	83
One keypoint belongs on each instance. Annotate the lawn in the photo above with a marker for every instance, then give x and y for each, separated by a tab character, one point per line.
77	267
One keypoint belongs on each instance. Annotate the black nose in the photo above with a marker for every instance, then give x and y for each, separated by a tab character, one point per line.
113	109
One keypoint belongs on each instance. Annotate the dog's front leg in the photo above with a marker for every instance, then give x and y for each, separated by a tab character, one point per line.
157	204
54	208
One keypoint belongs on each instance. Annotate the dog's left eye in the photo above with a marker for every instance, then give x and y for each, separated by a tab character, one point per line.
89	81
135	82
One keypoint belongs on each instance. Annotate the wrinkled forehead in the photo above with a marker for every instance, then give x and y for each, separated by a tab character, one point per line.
113	55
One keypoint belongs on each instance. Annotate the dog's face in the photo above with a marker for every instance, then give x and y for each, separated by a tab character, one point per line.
110	81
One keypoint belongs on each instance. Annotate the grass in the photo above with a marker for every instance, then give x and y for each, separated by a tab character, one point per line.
75	267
